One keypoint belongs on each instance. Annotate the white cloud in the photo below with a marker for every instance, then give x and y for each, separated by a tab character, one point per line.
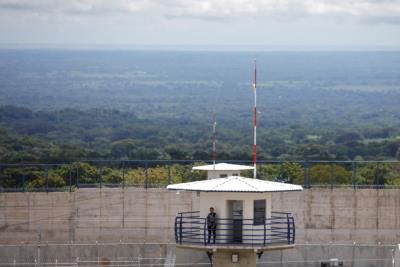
373	10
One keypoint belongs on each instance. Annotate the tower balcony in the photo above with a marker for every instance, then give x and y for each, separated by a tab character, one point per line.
276	232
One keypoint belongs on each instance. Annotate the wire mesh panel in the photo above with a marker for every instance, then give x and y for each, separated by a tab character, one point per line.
159	173
329	174
134	174
370	174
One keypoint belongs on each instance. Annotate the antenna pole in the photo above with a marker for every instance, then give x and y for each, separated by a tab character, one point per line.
255	121
214	150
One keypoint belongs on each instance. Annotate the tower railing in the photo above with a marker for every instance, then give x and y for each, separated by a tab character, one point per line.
191	229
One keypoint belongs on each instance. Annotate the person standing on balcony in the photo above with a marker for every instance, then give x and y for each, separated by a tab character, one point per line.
212	224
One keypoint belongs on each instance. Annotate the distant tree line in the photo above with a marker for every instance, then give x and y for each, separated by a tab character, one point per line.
140	174
71	135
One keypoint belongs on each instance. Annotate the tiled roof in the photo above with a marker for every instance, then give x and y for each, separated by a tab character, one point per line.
235	184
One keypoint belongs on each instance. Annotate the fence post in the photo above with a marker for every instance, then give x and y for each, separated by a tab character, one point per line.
294	230
169	173
331	174
265	230
47	179
70	178
176	228
1	179
101	175
354	175
306	172
145	175
180	229
23	181
288	228
204	231
376	176
123	174
77	175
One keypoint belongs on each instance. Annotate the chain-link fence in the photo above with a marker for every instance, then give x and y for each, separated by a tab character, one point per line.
159	173
140	255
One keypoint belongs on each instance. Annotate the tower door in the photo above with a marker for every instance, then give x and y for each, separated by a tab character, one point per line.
236	206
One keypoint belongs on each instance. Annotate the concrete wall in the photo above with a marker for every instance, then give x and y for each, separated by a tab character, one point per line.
344	216
90	215
359	226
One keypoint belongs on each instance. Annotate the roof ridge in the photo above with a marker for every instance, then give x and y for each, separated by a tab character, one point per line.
224	180
244	181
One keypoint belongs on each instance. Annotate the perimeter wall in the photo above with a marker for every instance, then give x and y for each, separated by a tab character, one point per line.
360	227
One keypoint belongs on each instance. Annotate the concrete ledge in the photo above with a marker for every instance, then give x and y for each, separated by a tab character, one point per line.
235	247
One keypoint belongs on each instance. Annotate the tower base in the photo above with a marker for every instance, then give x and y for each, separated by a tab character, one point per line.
238	258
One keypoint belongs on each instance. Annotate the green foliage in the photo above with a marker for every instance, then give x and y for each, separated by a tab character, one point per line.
329	174
124	149
267	171
312	151
15	177
54	180
88	174
292	172
159	175
285	172
376	173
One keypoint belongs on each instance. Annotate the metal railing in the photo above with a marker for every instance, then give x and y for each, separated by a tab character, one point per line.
190	228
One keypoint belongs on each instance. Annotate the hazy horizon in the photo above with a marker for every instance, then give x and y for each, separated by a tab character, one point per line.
209	47
276	23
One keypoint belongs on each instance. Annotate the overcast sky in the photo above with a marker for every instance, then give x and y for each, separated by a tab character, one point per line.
277	23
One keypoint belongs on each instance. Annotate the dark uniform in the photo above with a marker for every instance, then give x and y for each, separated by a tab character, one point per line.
212	225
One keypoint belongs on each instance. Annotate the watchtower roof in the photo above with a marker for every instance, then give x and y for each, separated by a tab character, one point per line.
223	167
235	184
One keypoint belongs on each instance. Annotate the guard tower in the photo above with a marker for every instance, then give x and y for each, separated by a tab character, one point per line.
222	170
246	226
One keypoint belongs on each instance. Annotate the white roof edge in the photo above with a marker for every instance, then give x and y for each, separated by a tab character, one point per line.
235	184
223	167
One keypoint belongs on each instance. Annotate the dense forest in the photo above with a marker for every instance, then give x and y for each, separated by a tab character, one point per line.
69	106
69	135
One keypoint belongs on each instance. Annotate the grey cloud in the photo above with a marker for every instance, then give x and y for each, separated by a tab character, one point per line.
373	11
382	20
25	6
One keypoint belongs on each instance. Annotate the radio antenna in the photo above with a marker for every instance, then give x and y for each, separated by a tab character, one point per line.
255	120
214	140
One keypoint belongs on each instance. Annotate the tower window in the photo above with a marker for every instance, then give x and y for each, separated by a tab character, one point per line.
259	211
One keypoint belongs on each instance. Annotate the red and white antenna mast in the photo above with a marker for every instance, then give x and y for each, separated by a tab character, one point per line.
214	137
255	121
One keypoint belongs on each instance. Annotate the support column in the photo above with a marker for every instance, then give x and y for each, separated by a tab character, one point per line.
396	256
